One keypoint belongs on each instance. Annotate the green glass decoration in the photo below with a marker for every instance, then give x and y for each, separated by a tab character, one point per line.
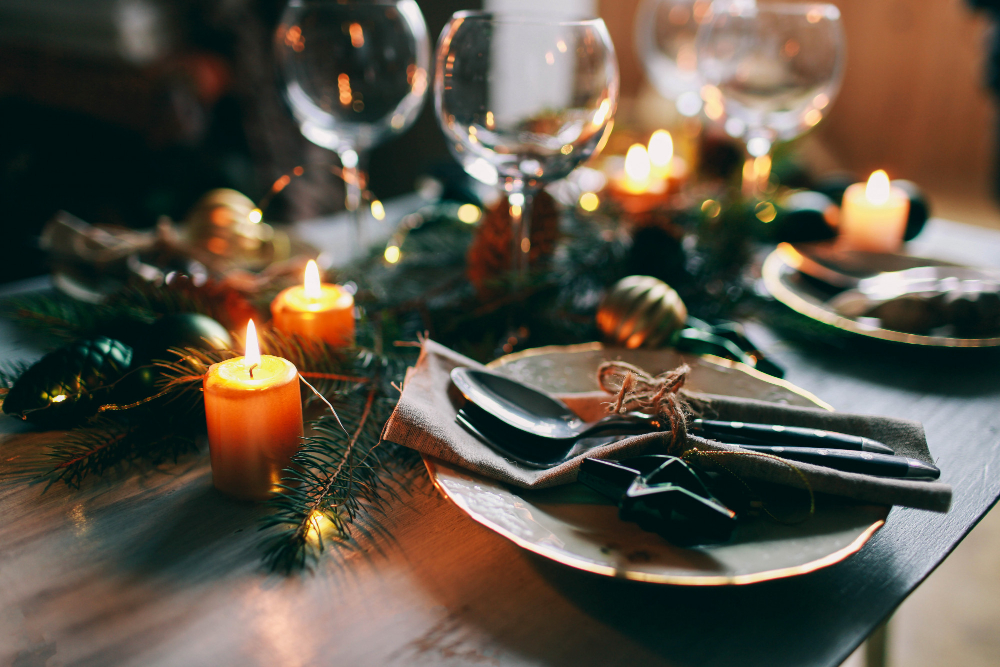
66	386
181	330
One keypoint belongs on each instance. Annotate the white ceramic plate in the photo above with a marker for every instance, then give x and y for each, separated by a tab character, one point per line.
575	526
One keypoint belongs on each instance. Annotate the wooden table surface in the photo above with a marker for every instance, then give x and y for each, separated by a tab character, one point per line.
157	568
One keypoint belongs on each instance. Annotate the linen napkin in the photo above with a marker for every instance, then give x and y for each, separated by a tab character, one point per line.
424	420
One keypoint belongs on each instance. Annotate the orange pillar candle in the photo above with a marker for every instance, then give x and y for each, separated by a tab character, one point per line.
316	310
873	215
254	414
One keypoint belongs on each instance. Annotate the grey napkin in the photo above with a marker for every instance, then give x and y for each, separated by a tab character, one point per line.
424	420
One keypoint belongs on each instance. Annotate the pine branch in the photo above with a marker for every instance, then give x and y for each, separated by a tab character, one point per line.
336	480
10	371
107	444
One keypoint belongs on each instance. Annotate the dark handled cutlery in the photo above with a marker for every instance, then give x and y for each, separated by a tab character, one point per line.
794	436
866	463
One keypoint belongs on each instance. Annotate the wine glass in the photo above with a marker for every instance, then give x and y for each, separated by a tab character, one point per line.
522	101
775	68
665	32
355	72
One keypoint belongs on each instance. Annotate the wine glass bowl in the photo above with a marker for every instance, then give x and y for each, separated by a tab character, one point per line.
523	100
665	33
775	67
355	72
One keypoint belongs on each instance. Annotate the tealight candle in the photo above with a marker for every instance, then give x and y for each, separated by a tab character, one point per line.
254	415
873	215
316	310
664	163
631	181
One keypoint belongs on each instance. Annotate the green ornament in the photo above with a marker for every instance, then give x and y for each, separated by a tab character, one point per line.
803	216
182	330
67	386
920	208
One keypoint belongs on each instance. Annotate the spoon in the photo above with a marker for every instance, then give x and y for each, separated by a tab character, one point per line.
536	413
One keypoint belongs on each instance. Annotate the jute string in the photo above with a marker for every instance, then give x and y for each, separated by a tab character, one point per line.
662	396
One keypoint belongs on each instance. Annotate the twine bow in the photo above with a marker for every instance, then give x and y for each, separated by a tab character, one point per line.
659	396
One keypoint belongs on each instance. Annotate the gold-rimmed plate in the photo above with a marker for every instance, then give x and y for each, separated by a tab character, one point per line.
783	280
572	525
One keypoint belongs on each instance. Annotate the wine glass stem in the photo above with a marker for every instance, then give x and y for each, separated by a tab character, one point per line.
356	183
520	224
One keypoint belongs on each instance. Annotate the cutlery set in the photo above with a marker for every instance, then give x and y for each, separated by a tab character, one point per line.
540	431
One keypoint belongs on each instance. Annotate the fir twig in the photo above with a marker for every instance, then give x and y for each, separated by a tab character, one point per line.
106	444
336	476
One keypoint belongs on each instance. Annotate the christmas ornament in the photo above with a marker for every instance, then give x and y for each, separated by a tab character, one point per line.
920	208
66	386
489	256
800	216
228	225
181	330
640	311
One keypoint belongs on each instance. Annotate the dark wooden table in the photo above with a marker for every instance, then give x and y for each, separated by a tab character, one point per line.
159	569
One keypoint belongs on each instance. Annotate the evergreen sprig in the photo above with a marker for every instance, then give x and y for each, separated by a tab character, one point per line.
337	476
105	444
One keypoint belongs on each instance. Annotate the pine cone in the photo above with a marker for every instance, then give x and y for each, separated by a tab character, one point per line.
489	257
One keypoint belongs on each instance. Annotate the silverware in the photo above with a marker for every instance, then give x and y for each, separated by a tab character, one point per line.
536	413
866	463
523	447
775	434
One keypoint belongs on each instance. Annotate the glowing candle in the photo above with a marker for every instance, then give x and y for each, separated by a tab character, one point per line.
873	215
664	163
631	182
316	310
254	414
638	170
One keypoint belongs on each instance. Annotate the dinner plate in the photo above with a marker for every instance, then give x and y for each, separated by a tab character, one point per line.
573	525
785	283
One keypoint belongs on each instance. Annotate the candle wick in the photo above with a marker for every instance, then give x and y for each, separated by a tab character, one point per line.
252	366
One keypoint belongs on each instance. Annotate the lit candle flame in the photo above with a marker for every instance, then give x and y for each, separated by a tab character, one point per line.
251	359
661	149
312	288
877	190
637	167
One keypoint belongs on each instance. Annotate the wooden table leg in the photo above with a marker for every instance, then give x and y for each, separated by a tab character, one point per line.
877	646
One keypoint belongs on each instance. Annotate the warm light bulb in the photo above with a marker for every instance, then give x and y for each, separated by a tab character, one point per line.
311	288
877	190
252	355
637	165
661	148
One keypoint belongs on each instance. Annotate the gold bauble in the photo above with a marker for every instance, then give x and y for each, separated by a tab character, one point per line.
228	225
640	311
